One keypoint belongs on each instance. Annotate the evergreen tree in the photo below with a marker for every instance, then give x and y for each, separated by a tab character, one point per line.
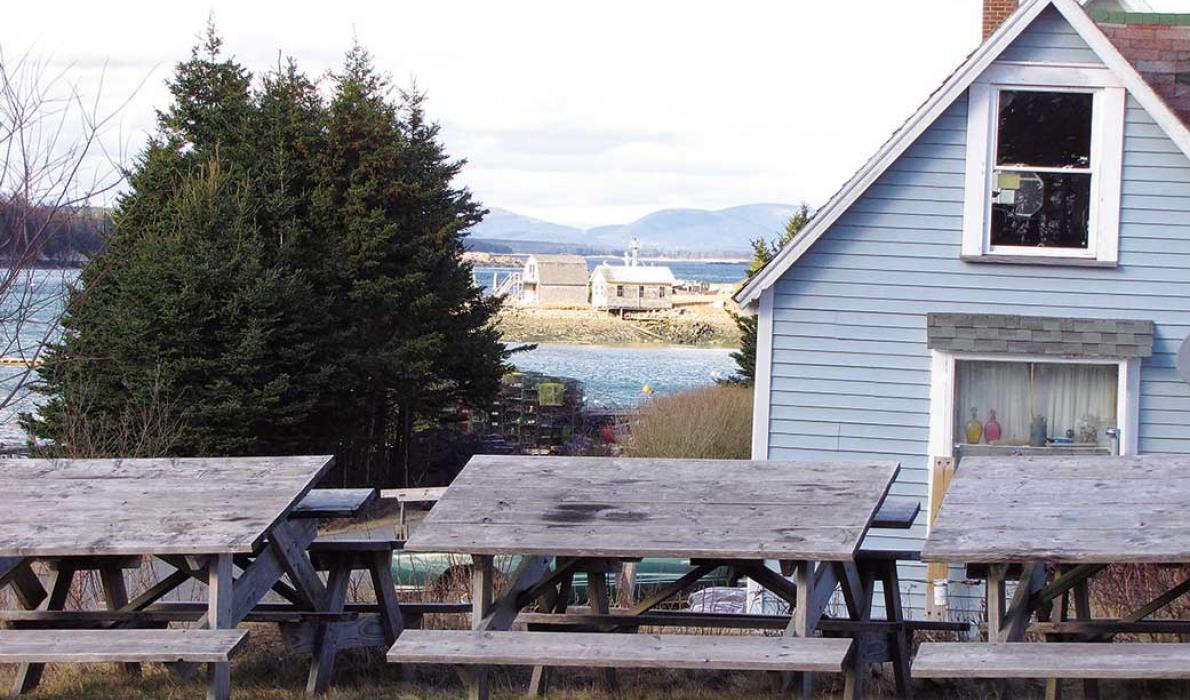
187	307
419	334
763	251
285	274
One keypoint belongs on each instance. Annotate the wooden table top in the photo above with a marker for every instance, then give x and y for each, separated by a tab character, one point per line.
626	508
1073	509
147	506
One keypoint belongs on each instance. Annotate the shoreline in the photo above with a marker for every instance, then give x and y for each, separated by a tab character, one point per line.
704	324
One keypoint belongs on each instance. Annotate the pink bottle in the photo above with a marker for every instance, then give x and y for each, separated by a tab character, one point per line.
992	432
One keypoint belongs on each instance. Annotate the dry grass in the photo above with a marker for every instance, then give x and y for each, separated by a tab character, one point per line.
714	422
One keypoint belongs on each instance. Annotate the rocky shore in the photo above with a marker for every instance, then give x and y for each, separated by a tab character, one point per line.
681	326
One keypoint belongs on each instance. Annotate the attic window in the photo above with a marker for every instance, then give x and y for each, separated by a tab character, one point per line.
1043	169
1041	186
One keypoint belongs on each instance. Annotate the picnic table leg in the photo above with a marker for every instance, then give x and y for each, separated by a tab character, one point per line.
115	597
29	675
380	567
326	635
860	590
800	624
219	616
995	600
597	598
540	681
392	620
900	641
481	604
26	586
1082	610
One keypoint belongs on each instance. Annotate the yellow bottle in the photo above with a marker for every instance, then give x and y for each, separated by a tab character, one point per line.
974	429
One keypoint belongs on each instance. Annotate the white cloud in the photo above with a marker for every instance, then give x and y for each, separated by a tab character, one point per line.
583	113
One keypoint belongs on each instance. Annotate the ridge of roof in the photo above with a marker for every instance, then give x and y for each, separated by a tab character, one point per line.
636	274
941	99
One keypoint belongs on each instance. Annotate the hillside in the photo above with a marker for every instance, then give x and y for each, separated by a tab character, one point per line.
697	231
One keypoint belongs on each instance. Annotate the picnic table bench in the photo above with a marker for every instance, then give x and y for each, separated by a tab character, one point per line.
562	516
205	518
1053	523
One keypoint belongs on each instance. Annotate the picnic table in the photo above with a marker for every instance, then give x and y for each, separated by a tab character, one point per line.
1053	523
205	518
559	516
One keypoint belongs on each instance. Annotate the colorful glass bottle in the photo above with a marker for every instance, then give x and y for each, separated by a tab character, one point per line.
992	432
974	428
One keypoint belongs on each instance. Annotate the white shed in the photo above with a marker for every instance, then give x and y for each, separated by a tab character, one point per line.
632	288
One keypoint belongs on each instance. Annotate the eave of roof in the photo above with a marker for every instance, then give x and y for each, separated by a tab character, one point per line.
941	100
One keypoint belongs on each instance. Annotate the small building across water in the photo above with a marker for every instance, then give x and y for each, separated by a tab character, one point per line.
559	280
632	288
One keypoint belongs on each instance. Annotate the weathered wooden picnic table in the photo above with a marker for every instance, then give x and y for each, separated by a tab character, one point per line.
562	515
204	517
1054	523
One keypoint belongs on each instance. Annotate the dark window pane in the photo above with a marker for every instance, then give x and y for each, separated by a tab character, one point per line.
1045	129
1045	210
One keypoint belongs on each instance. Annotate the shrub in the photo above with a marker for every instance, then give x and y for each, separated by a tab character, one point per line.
710	423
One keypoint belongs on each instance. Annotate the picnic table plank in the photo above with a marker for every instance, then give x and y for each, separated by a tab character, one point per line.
100	646
1067	467
1040	660
414	495
1065	510
628	508
897	514
334	503
740	653
58	508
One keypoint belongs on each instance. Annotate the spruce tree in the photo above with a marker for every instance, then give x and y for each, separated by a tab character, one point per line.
285	276
186	311
763	251
419	334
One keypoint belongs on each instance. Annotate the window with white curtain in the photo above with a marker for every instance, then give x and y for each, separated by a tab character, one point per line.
1007	403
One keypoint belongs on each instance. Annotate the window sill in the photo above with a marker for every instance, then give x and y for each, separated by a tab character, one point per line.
1038	260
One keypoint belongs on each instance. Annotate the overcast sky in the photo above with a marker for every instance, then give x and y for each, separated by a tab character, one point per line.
583	113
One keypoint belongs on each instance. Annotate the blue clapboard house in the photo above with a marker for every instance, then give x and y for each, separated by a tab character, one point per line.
1008	274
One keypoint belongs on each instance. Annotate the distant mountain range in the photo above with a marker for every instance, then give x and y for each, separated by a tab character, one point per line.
696	232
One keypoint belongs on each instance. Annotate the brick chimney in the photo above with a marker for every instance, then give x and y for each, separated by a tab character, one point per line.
994	14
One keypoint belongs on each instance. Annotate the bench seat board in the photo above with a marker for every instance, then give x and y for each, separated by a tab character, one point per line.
334	503
376	539
102	646
1056	660
596	650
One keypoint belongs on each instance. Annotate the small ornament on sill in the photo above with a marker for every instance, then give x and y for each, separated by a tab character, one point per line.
992	432
1039	432
974	428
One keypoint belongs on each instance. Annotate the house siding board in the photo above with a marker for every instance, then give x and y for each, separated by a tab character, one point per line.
850	316
1050	39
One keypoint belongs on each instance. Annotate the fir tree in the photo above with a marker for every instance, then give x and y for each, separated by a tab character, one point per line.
286	274
763	251
419	335
187	306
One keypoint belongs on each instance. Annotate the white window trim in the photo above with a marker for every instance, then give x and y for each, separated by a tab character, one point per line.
1107	155
942	394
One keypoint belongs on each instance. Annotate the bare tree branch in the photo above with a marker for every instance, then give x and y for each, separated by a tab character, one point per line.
55	166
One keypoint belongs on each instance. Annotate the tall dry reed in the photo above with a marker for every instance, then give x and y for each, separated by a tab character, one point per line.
714	422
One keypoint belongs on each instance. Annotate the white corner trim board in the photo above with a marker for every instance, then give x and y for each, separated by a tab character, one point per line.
762	386
975	66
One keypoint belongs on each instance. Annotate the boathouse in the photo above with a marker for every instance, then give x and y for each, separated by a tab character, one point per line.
632	288
554	280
